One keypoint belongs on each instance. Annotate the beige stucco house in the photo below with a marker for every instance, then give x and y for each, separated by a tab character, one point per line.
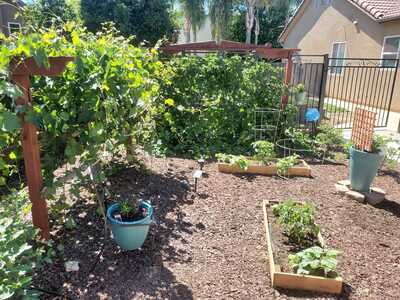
9	21
347	29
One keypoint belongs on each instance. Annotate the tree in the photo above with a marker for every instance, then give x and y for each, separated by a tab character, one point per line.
147	20
220	13
44	13
253	9
272	20
194	14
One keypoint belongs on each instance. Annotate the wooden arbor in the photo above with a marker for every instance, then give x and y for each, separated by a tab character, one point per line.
264	51
21	71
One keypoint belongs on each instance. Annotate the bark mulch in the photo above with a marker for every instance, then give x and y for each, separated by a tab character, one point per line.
211	244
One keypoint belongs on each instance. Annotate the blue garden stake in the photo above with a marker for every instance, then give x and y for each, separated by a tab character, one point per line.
312	115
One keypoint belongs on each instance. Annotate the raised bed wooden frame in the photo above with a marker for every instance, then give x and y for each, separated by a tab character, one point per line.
281	279
300	171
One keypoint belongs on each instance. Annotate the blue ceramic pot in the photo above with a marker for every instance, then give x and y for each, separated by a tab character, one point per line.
363	169
130	235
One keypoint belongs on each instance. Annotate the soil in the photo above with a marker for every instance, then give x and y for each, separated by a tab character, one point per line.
211	244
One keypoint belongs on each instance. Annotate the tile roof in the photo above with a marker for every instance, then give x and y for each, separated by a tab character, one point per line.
381	10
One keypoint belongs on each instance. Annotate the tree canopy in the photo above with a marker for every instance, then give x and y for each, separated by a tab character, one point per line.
147	20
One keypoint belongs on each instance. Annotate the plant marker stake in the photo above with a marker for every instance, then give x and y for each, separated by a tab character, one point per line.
21	71
197	175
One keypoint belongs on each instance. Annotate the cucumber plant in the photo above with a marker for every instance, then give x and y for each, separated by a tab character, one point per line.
315	261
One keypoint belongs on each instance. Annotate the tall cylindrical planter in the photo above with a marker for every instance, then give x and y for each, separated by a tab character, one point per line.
300	98
130	235
363	169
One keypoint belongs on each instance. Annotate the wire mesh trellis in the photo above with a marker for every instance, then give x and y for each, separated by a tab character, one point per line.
266	124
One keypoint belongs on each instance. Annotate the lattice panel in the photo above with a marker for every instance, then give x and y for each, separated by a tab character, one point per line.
363	129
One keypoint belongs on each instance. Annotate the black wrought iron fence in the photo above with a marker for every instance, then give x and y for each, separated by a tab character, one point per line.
336	86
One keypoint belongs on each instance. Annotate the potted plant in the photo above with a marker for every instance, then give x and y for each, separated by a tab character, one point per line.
130	222
364	165
300	94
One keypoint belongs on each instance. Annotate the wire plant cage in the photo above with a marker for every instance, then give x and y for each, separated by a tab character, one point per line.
266	123
289	147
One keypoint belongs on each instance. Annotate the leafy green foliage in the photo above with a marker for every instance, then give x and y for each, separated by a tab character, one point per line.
392	157
272	21
105	100
214	98
330	139
379	143
300	88
147	20
284	164
302	140
264	151
239	161
315	261
19	258
45	13
297	220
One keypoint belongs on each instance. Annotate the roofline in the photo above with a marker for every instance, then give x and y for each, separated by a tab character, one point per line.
285	31
287	28
384	20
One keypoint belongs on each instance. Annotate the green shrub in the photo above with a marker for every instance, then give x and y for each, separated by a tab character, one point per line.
211	102
19	258
264	151
315	261
302	140
104	100
297	220
330	139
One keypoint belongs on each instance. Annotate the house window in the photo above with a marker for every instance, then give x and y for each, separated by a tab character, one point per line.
390	51
14	27
322	3
338	55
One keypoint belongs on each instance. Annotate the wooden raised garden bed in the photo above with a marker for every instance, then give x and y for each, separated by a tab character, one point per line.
301	170
286	280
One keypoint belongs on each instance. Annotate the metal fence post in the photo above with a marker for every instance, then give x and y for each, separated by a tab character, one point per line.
322	90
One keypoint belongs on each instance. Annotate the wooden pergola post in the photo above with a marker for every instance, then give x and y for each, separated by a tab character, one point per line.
21	72
288	78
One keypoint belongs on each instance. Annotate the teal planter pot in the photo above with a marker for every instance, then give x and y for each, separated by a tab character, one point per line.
363	169
130	235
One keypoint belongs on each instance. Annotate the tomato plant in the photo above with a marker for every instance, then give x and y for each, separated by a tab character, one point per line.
298	220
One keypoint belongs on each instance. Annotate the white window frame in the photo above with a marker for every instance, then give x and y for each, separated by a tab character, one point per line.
383	47
344	56
13	23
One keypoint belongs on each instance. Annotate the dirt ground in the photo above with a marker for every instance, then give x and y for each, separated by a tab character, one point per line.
211	244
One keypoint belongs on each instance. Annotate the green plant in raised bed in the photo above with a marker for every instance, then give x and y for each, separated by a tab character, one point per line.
297	220
284	164
315	261
224	158
239	161
264	151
